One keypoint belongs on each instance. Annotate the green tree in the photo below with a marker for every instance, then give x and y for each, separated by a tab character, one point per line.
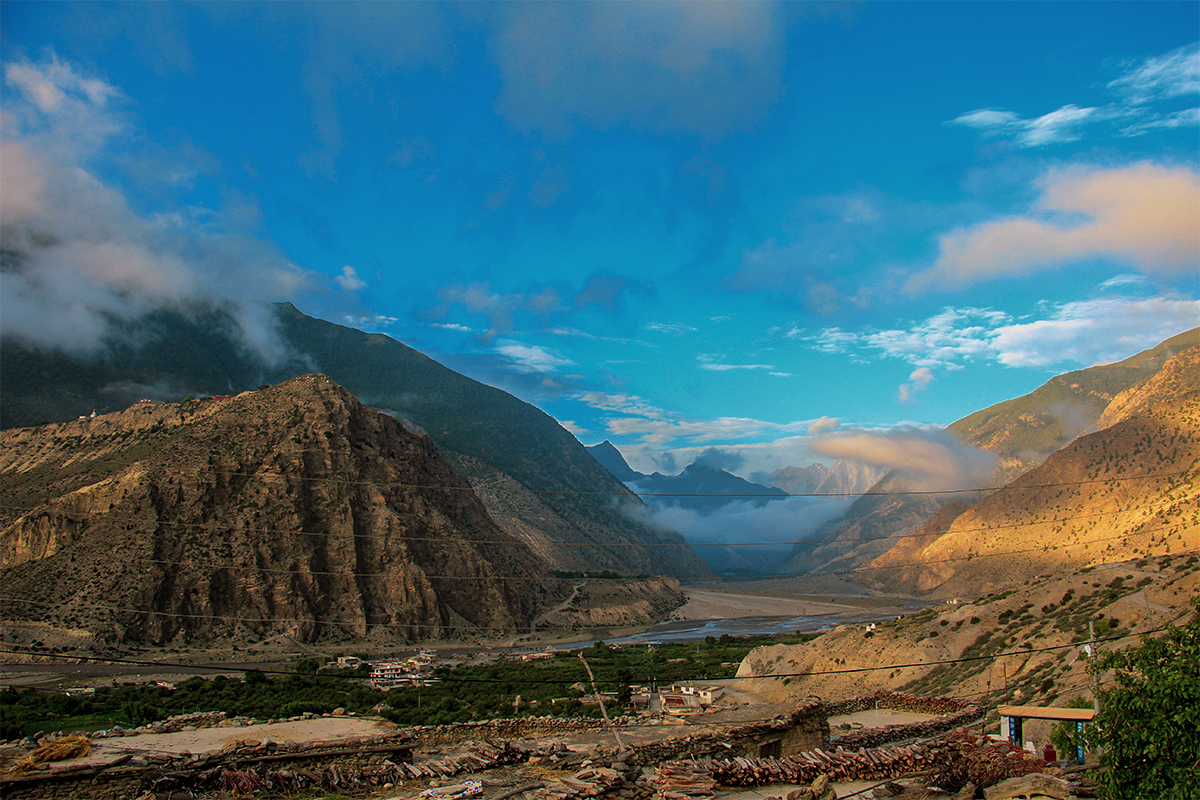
1065	735
1148	721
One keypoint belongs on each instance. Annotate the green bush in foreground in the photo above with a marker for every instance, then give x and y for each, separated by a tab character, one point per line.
1148	723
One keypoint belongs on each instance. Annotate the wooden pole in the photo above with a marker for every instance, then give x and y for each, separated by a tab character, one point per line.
603	711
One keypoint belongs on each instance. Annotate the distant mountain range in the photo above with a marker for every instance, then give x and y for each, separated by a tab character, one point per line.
707	490
536	480
700	488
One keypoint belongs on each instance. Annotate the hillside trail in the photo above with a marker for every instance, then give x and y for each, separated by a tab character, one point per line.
563	606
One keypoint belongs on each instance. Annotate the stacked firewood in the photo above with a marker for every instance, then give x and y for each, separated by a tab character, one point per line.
685	780
839	765
971	756
485	755
896	700
874	737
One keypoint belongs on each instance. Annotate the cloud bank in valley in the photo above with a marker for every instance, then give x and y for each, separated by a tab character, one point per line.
741	535
78	254
931	459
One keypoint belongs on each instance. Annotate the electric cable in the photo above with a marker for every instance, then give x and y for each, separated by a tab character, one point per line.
148	526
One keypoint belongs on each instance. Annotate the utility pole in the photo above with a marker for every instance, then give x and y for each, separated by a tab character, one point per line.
603	712
1095	672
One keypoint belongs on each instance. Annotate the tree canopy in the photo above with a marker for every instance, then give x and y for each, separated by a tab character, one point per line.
1148	721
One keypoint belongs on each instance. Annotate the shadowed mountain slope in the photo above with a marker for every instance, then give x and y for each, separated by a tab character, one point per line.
537	481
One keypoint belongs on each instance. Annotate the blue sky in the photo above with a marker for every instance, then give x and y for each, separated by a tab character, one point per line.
787	231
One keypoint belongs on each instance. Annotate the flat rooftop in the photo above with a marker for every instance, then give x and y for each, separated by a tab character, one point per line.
1047	712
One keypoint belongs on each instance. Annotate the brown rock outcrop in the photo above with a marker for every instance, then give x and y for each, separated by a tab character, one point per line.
293	510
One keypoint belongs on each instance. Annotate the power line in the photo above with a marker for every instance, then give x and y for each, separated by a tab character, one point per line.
262	474
535	578
148	526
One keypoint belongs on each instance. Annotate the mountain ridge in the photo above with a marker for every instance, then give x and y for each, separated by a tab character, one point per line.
571	509
293	509
1115	494
1012	430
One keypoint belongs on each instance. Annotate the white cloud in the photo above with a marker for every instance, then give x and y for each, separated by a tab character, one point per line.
622	403
954	336
1095	331
655	426
85	259
1120	281
823	425
931	458
64	106
1187	118
369	321
1062	125
918	381
1145	216
713	363
675	328
1086	333
349	280
531	358
670	428
1176	74
705	67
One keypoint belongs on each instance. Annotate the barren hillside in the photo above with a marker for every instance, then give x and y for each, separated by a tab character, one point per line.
1130	490
998	646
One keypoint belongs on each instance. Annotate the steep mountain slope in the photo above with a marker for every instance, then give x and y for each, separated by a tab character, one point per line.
1130	490
1021	432
293	510
611	459
1024	431
535	478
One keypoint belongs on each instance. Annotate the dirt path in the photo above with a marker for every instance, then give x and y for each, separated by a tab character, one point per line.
563	606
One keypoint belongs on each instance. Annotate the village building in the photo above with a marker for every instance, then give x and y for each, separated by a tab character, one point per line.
684	698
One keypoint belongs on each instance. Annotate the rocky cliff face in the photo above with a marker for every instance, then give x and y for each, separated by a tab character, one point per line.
291	510
614	604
